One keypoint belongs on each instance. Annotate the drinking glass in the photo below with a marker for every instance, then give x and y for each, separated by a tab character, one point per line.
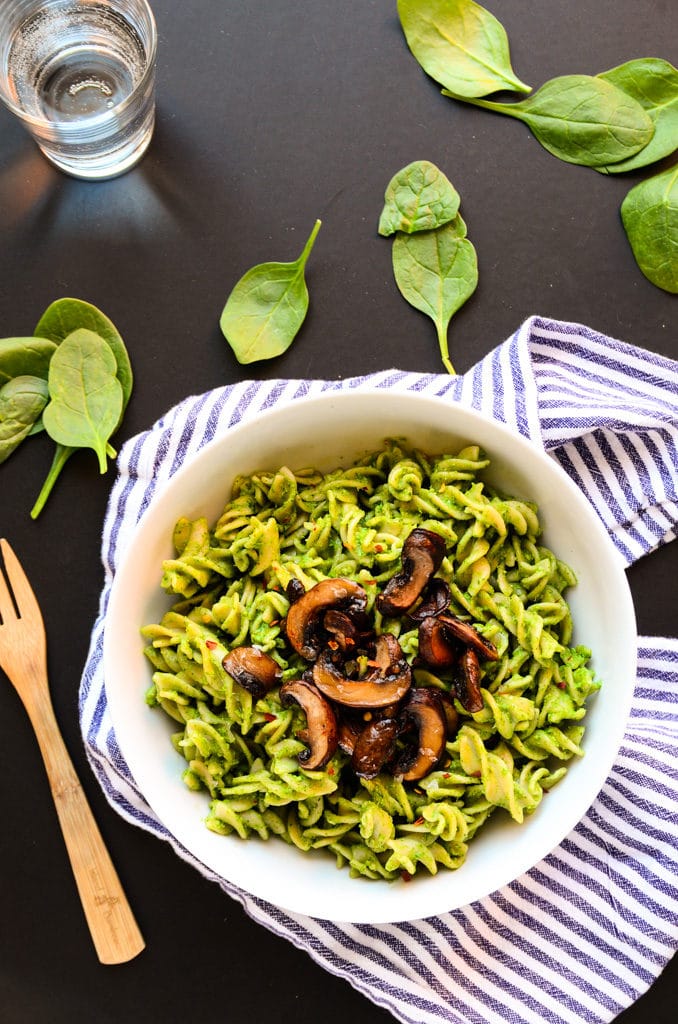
80	74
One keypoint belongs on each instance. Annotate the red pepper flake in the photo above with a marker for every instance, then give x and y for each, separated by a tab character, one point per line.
561	685
330	770
419	821
476	775
406	876
269	717
211	644
379	548
446	775
333	645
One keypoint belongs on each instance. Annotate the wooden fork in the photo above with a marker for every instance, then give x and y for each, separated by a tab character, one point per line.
23	657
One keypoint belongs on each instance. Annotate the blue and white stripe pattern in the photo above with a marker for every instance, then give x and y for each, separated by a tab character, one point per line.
581	936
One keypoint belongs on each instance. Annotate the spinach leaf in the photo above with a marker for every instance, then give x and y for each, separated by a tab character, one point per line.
460	45
60	320
38	426
267	307
22	400
436	272
580	119
85	394
25	360
650	217
25	356
419	197
64	316
653	83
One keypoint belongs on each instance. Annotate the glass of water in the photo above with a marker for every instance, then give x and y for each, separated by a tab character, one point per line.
80	74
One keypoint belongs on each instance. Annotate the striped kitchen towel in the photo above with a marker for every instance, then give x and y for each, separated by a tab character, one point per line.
583	934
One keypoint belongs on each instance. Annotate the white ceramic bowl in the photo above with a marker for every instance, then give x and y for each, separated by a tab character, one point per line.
327	431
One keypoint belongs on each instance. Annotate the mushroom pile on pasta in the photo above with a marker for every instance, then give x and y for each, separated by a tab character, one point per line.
370	661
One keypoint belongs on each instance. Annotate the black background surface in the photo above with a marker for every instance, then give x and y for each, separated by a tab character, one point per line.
271	114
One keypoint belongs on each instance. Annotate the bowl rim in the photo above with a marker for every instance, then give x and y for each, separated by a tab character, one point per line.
405	906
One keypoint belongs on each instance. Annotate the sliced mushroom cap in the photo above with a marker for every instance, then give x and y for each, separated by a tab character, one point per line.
435	646
469	636
435	599
349	731
451	714
423	711
467	683
422	554
374	747
342	627
253	669
387	682
303	624
321	733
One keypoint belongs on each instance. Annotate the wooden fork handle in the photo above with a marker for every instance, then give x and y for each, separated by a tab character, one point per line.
114	930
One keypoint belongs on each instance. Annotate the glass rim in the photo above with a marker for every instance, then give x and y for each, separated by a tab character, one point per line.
97	120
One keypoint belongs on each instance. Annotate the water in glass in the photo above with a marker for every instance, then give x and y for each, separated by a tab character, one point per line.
80	75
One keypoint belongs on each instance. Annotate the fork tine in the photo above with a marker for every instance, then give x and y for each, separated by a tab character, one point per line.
7	610
24	597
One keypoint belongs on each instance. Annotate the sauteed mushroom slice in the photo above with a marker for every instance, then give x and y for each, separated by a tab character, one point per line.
374	747
467	682
435	646
321	734
435	599
451	714
387	682
423	711
253	669
469	636
343	629
349	731
304	625
422	554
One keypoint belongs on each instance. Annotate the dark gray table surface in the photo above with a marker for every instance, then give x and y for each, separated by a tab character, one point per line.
270	115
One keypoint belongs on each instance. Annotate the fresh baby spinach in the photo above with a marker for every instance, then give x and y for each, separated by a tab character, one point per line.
434	264
653	83
85	394
267	307
64	316
71	395
436	272
25	357
22	400
460	45
650	217
57	323
620	120
580	119
417	198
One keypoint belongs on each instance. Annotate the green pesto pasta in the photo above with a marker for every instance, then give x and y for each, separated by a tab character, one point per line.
230	582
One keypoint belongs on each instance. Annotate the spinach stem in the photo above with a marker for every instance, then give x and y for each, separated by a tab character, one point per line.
444	349
512	109
61	457
306	252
